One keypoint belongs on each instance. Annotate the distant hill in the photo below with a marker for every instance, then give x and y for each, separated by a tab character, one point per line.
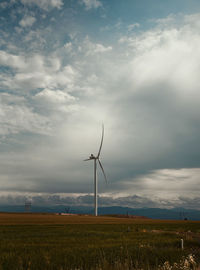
155	213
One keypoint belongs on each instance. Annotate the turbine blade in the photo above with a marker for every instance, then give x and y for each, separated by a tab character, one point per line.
103	171
101	141
87	159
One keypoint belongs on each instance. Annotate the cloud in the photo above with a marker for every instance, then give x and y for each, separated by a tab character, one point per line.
90	48
27	21
4	5
16	117
145	89
36	40
99	48
89	4
57	101
51	83
44	4
68	46
13	61
36	71
164	183
87	200
133	26
55	96
75	200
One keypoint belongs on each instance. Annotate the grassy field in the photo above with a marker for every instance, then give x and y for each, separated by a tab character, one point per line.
45	241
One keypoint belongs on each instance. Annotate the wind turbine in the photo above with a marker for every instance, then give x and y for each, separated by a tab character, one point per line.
96	158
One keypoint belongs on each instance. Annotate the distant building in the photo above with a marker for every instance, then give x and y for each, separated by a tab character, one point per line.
66	214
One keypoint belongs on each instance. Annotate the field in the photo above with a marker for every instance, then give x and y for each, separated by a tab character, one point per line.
51	242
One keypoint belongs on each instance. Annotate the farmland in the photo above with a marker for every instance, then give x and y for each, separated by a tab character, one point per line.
45	241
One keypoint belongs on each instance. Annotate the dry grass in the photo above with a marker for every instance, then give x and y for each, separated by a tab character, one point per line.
40	219
53	242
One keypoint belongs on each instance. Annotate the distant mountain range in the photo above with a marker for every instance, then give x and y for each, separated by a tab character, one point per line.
155	213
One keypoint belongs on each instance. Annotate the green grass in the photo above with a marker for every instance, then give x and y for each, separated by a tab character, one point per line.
136	245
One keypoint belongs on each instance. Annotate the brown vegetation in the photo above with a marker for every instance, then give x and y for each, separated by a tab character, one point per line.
49	241
44	218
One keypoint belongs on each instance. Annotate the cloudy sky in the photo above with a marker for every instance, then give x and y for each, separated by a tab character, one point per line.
69	66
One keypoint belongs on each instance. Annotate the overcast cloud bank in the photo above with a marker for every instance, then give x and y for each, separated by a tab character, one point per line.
86	200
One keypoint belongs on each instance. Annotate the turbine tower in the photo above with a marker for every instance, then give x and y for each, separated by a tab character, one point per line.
96	158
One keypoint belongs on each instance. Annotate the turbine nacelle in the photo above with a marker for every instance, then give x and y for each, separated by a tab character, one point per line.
92	157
